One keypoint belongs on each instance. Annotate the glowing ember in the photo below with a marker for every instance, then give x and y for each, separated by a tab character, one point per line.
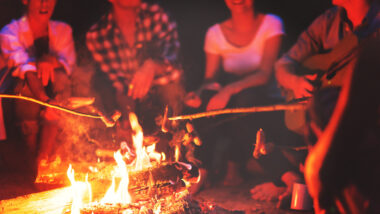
155	187
177	153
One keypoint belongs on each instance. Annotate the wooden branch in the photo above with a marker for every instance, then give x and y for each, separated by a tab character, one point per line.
109	122
8	96
280	107
299	148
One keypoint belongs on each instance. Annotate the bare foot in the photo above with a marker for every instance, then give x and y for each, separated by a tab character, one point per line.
267	192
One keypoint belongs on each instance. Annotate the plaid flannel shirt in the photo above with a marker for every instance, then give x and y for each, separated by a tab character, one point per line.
156	39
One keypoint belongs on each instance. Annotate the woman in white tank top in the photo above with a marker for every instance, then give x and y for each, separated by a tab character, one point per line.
243	50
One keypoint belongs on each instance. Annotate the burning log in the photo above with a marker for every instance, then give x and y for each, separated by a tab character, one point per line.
53	201
59	201
161	181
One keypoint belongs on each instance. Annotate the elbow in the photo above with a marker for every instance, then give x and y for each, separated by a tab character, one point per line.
264	78
278	70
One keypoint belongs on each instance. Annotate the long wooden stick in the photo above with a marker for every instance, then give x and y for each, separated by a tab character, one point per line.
279	107
50	105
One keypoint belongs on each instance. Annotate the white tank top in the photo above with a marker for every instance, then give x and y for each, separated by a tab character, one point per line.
246	59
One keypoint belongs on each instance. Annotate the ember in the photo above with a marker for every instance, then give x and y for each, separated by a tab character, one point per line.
141	182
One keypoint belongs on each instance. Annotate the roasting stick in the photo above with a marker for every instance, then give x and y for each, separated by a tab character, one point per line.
299	148
50	105
279	107
109	122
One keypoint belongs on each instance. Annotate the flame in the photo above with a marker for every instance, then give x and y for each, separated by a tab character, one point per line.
121	195
139	159
176	153
153	155
79	188
157	209
142	158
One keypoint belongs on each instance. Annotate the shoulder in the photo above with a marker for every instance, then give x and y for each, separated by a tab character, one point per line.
60	27
151	7
153	15
273	22
328	16
214	30
102	23
14	26
154	9
273	19
272	25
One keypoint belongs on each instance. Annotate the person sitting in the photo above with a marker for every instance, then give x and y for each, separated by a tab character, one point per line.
321	44
40	54
136	49
334	169
246	45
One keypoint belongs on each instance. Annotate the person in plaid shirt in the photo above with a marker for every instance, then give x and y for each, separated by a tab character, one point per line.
135	46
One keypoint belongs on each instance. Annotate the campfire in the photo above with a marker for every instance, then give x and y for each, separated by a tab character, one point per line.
130	178
142	180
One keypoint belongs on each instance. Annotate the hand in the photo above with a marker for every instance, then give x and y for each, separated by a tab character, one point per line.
51	114
289	178
142	80
45	69
193	100
302	86
220	100
267	192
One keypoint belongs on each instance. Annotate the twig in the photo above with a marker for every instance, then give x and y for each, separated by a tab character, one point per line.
279	107
299	148
50	105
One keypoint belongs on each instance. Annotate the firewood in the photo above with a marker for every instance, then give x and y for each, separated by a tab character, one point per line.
53	201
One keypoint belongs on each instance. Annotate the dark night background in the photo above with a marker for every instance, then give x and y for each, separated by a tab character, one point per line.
193	18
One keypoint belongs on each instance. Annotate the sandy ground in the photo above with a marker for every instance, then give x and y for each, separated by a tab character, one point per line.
230	198
238	199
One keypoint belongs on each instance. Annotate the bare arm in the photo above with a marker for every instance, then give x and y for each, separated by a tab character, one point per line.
261	77
35	86
308	44
212	66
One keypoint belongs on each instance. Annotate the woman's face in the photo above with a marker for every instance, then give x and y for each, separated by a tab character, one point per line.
42	9
239	5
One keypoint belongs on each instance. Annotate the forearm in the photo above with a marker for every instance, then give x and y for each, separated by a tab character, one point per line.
254	80
164	72
35	86
284	75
